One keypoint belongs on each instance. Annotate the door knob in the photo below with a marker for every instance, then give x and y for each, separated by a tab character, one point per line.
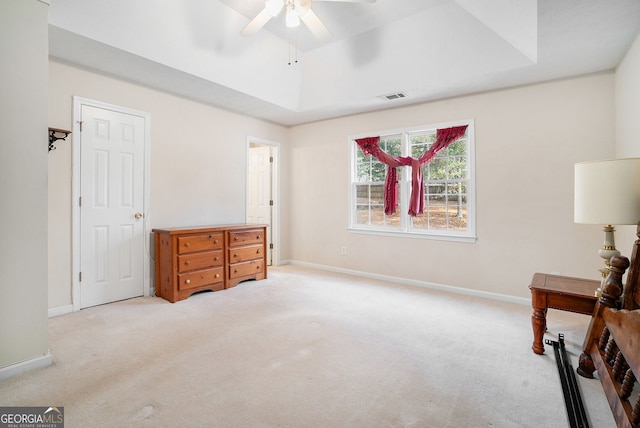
138	216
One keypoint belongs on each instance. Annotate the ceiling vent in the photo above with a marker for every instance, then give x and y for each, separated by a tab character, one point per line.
394	96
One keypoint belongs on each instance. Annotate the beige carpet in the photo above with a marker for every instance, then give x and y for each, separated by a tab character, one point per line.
307	348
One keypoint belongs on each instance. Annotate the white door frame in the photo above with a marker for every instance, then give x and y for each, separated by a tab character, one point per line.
275	184
78	102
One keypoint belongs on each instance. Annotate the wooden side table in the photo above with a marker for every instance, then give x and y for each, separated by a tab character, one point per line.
558	292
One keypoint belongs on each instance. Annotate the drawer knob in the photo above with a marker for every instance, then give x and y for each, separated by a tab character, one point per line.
217	275
235	255
236	238
188	281
258	252
215	241
216	258
187	263
187	244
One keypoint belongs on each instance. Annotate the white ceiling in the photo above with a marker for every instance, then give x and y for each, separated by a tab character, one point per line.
427	49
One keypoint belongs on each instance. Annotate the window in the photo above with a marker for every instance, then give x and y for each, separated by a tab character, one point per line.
449	197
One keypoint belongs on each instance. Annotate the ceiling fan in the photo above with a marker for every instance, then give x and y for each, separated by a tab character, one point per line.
296	11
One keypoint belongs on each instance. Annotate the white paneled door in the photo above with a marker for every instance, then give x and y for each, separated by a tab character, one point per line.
112	244
260	198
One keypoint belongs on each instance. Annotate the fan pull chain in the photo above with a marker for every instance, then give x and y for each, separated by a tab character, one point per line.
295	44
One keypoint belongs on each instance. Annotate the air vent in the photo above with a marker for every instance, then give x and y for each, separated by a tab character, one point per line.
394	96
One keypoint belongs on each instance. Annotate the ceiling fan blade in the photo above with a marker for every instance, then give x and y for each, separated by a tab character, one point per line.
316	26
257	23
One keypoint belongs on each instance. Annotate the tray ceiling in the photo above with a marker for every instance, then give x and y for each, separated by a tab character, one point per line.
426	49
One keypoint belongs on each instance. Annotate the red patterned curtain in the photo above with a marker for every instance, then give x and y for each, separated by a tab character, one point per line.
371	146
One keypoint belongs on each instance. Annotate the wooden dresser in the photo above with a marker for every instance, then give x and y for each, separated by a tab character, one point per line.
193	259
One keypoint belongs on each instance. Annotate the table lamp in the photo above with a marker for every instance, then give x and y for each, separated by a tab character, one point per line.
607	192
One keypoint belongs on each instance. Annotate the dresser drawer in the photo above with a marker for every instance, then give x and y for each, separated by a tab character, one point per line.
243	254
246	237
195	261
247	268
193	243
201	277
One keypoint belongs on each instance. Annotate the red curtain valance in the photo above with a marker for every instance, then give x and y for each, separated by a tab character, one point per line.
371	146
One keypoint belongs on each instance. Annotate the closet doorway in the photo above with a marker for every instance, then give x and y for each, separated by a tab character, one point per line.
262	191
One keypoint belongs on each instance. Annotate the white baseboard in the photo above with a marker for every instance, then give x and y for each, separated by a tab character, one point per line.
413	282
60	310
25	366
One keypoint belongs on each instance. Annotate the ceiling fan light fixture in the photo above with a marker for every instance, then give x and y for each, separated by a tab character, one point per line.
274	7
292	18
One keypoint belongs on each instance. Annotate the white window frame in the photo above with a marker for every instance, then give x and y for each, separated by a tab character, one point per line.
404	188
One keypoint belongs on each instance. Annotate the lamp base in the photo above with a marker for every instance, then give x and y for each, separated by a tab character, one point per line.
607	251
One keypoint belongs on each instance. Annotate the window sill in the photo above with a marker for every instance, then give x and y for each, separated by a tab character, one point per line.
416	235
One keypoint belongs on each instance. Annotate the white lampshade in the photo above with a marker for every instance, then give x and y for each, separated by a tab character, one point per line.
607	192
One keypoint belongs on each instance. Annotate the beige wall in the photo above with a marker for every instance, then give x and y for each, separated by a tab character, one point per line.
23	184
527	141
627	129
627	103
198	160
